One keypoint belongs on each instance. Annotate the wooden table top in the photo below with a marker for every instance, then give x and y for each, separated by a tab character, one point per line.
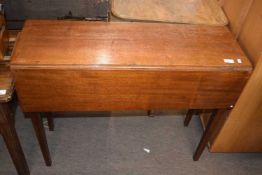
49	43
176	11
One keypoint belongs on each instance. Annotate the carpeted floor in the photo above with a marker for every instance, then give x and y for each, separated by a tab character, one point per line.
127	144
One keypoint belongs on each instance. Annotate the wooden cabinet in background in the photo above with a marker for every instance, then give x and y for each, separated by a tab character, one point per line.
245	21
242	131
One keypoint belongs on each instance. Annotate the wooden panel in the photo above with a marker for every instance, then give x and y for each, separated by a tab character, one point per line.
236	11
175	11
221	2
246	23
3	42
243	130
250	37
102	90
127	45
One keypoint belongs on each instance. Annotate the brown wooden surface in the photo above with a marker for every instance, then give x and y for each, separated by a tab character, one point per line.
237	11
6	83
246	24
3	42
175	11
221	2
243	130
101	90
80	66
126	45
250	37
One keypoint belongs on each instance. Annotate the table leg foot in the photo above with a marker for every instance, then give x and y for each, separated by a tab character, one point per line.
41	136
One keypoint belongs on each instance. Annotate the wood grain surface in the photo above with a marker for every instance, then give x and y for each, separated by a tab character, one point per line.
127	45
85	66
246	24
243	130
236	11
250	37
102	90
206	12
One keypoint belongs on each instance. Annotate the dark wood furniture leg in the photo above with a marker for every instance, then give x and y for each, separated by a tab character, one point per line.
50	121
189	115
149	113
206	135
7	129
41	137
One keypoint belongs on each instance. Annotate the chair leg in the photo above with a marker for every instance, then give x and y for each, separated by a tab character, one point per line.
189	115
206	135
50	121
12	141
41	136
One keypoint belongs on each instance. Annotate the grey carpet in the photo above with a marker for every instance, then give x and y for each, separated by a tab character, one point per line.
115	146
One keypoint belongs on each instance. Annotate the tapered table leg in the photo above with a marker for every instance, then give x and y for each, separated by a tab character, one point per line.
189	115
149	113
206	135
41	136
7	129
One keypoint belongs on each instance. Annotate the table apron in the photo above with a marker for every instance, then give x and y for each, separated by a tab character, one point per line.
54	90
